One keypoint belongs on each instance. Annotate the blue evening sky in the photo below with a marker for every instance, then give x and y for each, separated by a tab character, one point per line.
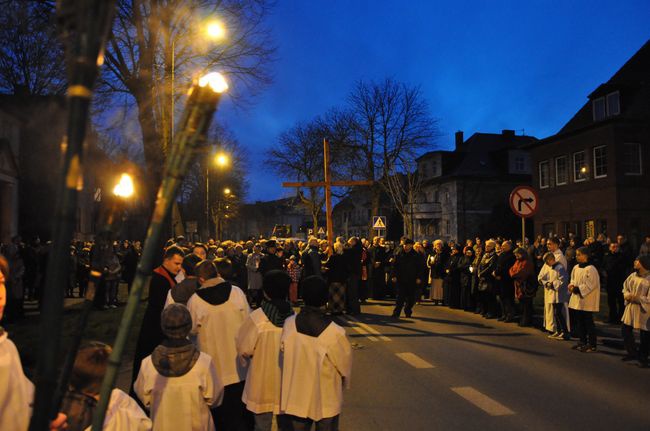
483	65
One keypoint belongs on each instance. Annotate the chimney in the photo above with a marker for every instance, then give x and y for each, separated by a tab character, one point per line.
508	133
459	139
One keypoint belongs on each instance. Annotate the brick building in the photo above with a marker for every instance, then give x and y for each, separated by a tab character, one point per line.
593	175
465	192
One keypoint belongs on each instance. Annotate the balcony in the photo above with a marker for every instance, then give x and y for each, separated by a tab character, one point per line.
426	210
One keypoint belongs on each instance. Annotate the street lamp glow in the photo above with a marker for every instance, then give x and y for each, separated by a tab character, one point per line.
221	160
226	191
215	30
215	80
124	187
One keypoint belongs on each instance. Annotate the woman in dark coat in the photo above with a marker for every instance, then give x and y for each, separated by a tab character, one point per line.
466	302
523	275
452	277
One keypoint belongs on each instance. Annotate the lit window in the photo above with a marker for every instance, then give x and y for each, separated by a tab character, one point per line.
600	109
632	159
579	167
600	162
544	175
561	171
613	104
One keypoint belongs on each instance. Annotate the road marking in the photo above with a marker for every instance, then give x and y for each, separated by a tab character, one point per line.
369	329
414	360
482	401
356	328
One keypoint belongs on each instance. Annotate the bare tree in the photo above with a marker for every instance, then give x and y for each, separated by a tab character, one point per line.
158	46
390	125
31	57
299	156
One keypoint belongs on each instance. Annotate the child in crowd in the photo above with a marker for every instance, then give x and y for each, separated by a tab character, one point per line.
259	342
316	364
177	383
554	279
218	310
294	270
585	300
123	413
183	291
636	292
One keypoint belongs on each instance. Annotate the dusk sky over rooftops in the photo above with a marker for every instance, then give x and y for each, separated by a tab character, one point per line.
483	66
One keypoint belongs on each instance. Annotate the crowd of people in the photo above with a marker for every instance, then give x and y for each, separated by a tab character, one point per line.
221	346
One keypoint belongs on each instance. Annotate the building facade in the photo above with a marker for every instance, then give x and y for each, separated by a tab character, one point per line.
9	183
592	176
464	193
352	216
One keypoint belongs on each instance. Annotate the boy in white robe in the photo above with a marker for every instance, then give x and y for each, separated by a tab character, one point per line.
16	390
218	310
636	292
177	383
123	413
316	364
259	343
554	279
585	300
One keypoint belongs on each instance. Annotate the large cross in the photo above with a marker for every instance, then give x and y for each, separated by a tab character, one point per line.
328	184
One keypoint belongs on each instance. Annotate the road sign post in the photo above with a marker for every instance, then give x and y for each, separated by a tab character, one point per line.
524	203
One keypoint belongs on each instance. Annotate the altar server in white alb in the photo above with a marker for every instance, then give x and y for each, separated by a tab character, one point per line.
550	322
554	279
316	364
16	390
177	383
259	343
636	292
585	299
79	404
218	310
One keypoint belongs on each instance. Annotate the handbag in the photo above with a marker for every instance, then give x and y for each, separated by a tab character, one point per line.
483	285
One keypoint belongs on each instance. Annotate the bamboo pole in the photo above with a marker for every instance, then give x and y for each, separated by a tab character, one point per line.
89	22
200	107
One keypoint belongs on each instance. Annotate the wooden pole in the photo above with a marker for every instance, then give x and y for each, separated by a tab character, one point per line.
523	231
328	195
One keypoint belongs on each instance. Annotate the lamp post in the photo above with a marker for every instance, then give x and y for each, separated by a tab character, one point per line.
222	161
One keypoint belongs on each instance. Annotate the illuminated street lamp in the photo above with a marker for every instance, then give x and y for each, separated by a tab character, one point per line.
226	191
222	160
124	188
215	30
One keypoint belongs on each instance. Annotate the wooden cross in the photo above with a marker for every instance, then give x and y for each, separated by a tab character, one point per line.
328	184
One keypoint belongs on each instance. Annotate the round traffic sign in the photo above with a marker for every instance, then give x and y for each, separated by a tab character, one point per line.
524	201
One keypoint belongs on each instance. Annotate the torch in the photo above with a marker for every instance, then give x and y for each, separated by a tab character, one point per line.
85	25
201	104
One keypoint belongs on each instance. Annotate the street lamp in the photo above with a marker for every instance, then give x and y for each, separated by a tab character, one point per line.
226	191
215	30
222	161
124	187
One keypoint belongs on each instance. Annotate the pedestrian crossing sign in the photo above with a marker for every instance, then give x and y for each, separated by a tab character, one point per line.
321	231
379	222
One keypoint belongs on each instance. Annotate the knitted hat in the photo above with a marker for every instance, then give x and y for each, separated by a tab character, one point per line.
176	321
276	284
314	291
644	260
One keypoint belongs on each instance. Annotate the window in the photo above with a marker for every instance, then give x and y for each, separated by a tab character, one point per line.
544	175
447	227
600	162
520	164
579	167
561	171
599	108
434	168
632	159
606	106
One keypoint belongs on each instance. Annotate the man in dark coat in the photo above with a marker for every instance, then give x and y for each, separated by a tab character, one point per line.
162	280
505	285
379	259
270	260
615	267
409	272
352	255
310	260
486	281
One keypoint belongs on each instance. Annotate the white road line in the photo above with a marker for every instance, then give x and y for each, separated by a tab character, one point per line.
414	360
369	329
357	329
482	401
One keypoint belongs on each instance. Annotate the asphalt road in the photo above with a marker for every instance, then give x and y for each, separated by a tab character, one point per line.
447	369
